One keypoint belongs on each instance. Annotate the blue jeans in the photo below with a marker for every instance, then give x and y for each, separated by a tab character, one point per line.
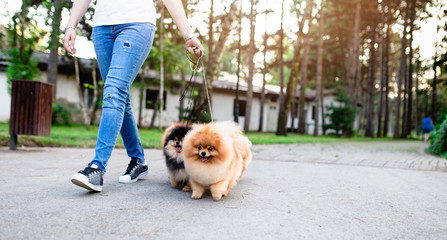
121	51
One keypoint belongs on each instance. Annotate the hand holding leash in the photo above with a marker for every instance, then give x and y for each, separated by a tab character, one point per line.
195	59
194	46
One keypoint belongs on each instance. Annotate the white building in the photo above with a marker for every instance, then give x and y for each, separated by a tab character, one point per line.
223	96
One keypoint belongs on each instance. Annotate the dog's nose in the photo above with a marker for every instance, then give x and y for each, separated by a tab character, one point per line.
177	143
203	154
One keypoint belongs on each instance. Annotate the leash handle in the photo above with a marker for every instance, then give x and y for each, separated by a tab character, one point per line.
195	60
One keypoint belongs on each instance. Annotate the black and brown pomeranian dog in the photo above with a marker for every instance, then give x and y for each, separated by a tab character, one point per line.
172	141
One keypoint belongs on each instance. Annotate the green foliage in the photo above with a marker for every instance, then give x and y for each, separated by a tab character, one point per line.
21	67
228	63
61	115
342	116
438	141
22	36
206	117
174	57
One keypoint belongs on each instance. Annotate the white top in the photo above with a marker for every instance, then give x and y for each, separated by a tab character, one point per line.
112	12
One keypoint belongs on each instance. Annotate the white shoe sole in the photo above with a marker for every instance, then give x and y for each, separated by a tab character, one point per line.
126	178
82	181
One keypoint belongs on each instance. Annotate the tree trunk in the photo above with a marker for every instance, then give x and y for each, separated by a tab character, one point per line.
369	131
416	104
239	48
353	53
22	25
434	96
280	60
200	103
92	108
382	79
286	103
264	73
251	53
293	110
358	82
211	31
182	100
362	112
319	80
140	111
409	107
401	77
162	72
85	115
403	133
386	122
323	123
53	60
303	82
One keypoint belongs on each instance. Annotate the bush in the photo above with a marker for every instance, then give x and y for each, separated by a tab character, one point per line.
438	141
22	37
342	119
60	114
65	113
342	116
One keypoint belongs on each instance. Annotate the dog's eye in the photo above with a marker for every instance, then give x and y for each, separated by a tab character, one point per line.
210	149
200	148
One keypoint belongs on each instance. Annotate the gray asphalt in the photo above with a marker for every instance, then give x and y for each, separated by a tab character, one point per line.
374	190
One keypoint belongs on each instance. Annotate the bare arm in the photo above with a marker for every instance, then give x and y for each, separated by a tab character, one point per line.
77	12
177	12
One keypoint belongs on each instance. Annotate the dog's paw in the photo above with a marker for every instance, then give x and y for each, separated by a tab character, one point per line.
186	189
196	196
217	197
173	182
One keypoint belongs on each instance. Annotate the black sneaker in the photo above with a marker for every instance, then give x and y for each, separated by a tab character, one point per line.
90	178
133	172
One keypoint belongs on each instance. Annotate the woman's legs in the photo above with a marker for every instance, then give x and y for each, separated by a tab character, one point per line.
121	51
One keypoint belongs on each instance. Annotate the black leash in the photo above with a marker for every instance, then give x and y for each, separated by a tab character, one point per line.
197	66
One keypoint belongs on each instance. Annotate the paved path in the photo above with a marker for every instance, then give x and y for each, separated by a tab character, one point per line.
376	190
403	155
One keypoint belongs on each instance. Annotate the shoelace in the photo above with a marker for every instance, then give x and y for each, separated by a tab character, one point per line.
89	170
132	165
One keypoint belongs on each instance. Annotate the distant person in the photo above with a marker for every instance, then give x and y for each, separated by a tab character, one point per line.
123	33
427	127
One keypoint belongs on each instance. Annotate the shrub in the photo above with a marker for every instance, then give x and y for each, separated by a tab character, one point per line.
23	36
342	116
438	140
60	114
342	119
65	113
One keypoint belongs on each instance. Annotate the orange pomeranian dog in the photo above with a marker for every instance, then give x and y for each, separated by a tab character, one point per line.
215	157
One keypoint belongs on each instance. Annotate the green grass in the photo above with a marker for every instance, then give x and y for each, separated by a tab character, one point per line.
271	138
79	136
76	136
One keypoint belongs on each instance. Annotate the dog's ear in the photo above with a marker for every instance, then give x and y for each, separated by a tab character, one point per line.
167	132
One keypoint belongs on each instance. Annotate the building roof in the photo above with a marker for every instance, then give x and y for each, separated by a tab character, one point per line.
66	63
227	83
